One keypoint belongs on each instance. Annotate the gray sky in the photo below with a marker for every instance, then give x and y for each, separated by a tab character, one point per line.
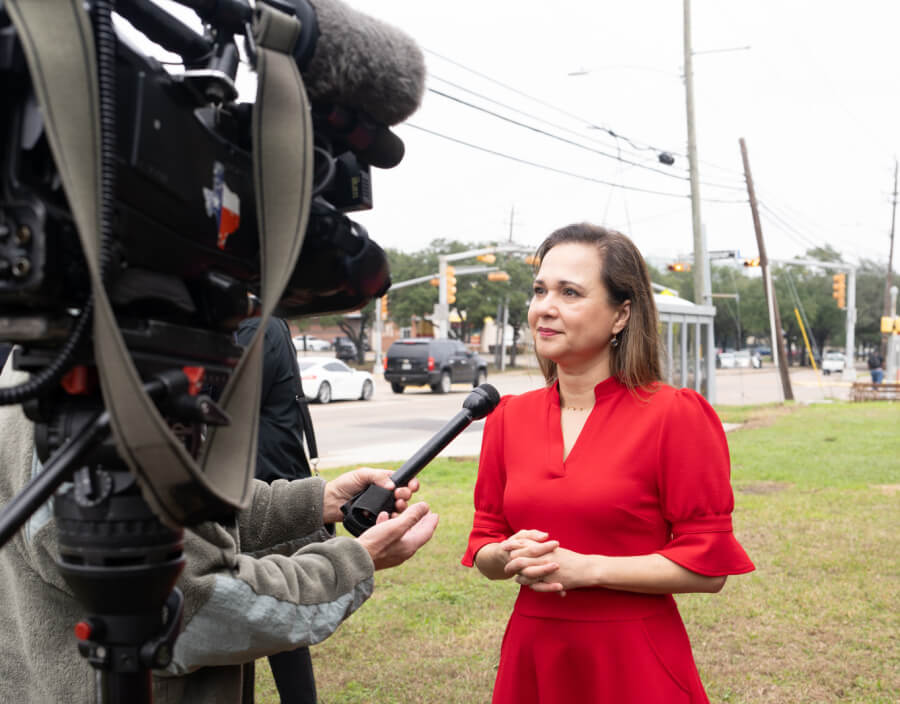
815	97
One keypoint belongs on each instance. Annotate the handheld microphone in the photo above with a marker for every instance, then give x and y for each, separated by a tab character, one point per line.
361	511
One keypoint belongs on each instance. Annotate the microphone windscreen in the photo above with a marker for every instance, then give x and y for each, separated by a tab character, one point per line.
363	63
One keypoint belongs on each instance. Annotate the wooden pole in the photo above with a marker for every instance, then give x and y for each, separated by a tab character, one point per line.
774	315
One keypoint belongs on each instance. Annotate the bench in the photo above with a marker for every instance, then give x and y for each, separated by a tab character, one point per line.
867	391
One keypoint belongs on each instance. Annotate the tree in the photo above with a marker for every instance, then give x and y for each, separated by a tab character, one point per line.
519	290
354	327
411	300
869	301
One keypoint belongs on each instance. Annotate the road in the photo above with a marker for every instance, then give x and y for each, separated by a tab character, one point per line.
391	427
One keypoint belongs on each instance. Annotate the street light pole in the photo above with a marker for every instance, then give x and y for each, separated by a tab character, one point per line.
702	290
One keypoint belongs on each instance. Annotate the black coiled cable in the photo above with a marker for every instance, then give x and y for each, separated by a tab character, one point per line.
105	40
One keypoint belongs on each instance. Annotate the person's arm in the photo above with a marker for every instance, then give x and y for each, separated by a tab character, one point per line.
282	517
695	499
489	525
239	607
286	515
492	559
560	570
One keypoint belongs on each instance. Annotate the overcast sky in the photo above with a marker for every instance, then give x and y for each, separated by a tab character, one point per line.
815	96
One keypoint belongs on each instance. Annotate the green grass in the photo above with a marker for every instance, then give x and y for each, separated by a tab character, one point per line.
817	491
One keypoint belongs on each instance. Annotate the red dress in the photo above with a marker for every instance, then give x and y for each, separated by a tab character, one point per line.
646	475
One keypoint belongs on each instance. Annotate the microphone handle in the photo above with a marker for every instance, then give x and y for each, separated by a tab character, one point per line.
432	448
361	511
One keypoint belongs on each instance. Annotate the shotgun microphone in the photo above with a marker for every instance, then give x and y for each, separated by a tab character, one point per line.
361	511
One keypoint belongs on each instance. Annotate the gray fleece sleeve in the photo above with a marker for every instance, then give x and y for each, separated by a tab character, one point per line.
239	608
282	517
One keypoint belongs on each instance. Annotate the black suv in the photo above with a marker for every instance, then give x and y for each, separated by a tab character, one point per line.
439	363
345	349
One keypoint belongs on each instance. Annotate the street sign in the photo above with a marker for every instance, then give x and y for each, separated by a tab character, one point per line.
724	254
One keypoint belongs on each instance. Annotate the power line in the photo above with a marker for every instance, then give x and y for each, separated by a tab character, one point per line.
787	227
635	145
543	166
556	137
489	99
570	142
546	104
552	169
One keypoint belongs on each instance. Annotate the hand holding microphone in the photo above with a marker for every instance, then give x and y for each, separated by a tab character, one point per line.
362	511
390	541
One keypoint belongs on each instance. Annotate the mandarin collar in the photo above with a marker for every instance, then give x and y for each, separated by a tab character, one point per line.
605	388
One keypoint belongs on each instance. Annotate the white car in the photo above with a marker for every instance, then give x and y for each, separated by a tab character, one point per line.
833	362
745	359
313	343
327	379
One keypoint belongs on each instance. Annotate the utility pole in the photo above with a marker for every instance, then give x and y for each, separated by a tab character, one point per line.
774	316
890	266
890	367
702	288
377	335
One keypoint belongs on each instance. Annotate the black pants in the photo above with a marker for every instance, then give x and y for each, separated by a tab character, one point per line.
293	675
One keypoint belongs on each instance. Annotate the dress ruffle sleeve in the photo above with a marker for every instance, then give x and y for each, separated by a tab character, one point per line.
489	524
695	489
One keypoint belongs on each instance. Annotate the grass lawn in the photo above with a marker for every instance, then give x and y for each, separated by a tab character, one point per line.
817	491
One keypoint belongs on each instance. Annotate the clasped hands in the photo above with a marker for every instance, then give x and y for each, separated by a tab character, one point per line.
395	538
541	564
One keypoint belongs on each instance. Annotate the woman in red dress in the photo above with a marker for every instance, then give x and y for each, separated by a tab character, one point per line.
602	494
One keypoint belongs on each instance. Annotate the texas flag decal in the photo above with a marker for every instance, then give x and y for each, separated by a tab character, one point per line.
222	204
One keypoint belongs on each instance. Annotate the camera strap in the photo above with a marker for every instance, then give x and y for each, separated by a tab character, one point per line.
58	43
302	401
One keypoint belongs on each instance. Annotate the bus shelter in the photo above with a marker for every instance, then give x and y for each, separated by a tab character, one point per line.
689	345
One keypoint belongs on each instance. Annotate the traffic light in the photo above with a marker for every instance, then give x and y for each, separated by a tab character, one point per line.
451	284
839	290
435	282
498	276
752	262
532	260
487	258
679	266
384	307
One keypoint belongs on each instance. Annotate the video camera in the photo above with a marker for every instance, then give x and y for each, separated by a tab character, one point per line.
185	247
130	329
181	258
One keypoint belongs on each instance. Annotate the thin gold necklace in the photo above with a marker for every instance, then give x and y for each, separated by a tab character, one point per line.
574	408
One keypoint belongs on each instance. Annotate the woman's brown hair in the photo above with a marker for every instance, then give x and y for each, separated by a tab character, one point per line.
635	361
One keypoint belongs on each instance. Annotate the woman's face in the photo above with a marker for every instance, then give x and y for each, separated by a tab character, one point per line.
571	316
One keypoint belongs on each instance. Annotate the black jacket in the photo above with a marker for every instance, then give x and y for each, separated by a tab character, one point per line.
280	453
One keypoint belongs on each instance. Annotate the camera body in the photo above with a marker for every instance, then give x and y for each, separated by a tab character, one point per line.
185	247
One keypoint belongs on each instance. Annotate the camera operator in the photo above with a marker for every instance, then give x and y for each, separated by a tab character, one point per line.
273	580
